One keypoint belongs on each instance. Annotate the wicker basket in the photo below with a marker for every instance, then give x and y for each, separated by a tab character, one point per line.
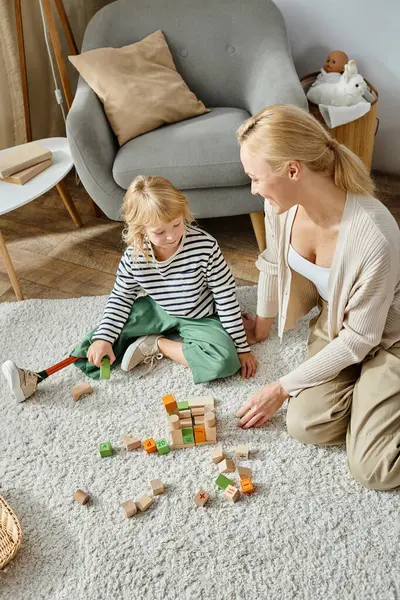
358	135
10	533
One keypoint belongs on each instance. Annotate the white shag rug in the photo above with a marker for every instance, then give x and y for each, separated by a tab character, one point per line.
309	532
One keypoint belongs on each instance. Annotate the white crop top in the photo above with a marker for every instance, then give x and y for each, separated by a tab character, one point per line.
318	275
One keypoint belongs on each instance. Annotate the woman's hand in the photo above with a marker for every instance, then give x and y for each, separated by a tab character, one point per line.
249	364
262	405
98	350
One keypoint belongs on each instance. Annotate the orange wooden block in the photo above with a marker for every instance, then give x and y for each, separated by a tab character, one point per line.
247	486
199	434
149	445
170	403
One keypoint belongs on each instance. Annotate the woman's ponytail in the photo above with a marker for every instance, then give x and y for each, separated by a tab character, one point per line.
350	173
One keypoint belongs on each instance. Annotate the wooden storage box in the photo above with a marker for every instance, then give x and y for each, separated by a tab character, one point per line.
358	135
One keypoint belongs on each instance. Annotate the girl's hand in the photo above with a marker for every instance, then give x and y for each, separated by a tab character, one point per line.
262	405
249	364
98	350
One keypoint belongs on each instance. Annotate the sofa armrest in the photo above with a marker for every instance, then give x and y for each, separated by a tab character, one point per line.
93	148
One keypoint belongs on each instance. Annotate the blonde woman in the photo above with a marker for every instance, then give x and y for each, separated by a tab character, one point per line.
189	289
330	243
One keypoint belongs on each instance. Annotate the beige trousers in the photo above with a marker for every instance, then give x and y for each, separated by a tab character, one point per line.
361	407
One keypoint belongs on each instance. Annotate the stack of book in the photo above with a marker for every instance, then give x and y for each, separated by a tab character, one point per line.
23	163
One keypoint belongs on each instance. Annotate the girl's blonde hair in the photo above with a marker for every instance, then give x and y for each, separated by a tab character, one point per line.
150	201
284	132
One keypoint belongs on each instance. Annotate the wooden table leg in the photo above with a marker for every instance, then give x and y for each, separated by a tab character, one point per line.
64	193
257	220
10	269
96	210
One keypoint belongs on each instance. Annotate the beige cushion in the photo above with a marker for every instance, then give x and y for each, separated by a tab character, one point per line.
138	85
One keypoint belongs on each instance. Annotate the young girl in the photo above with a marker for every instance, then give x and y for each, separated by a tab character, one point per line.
190	290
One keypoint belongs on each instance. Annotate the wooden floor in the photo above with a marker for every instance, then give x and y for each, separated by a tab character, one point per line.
54	259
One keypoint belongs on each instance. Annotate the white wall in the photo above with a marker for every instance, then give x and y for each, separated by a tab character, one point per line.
367	31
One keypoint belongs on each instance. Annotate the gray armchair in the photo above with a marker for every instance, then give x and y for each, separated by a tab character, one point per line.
234	55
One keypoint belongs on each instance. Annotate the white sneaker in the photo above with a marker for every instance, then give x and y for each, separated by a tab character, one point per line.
22	383
143	350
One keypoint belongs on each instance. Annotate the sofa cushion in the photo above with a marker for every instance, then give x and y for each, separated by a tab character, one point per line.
138	85
198	153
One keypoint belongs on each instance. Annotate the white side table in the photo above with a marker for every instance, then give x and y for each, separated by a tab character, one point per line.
13	195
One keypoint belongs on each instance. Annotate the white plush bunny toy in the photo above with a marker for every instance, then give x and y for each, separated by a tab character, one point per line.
347	91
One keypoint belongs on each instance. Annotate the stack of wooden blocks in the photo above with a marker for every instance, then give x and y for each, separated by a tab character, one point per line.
192	422
23	163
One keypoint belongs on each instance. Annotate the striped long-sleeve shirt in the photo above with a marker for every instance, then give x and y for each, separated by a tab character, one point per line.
194	282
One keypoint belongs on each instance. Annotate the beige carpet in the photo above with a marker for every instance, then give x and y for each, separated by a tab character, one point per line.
309	532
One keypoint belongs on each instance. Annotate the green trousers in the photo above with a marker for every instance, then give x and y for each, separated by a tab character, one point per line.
207	347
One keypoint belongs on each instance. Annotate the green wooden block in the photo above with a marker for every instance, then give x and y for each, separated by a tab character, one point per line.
162	447
106	449
223	482
188	435
183	405
105	368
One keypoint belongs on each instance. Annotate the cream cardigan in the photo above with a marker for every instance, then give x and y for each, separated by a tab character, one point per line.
363	288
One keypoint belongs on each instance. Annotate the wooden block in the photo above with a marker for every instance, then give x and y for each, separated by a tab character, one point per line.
226	466
131	443
223	482
180	446
198	411
201	497
199	434
242	452
106	449
157	487
211	434
81	497
186	423
185	414
209	408
247	486
209	419
188	435
22	177
174	422
81	389
105	368
196	401
244	472
199	420
144	502
177	438
217	455
149	445
205	443
162	446
23	157
232	494
183	405
170	403
129	508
